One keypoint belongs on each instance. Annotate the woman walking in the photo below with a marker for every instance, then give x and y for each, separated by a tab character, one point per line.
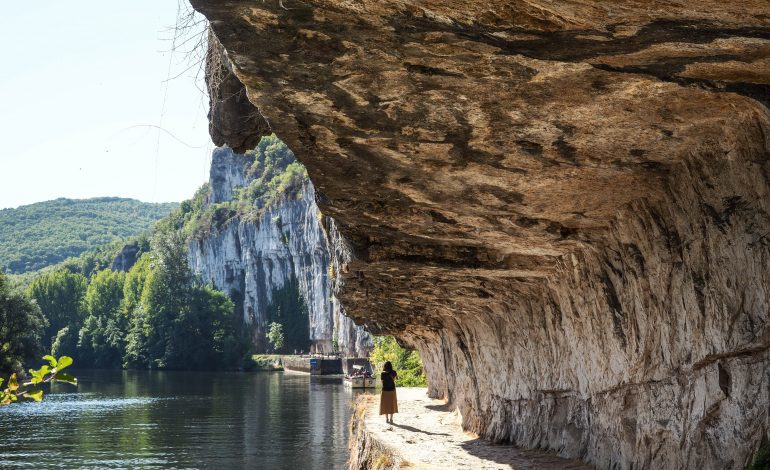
388	401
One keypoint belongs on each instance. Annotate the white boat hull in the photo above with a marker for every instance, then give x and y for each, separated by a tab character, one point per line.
359	382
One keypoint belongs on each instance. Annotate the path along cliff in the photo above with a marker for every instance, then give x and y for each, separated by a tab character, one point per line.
563	206
425	435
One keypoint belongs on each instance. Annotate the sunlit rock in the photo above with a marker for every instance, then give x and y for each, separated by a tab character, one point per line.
563	205
284	250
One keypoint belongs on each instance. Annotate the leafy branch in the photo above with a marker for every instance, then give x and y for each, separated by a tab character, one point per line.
31	390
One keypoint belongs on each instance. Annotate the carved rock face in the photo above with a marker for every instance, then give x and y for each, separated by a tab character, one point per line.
564	207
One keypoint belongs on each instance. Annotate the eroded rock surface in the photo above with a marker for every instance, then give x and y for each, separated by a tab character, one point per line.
126	258
233	119
563	205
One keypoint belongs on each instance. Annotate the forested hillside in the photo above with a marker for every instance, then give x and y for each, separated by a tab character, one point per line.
45	233
154	313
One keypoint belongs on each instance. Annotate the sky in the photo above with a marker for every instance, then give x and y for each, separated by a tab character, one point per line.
82	85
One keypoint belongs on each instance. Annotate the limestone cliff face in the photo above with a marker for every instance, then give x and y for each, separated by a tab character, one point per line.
563	205
253	260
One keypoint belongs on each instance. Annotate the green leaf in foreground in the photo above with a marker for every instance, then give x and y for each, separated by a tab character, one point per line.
13	384
64	362
38	375
30	390
36	395
51	360
66	378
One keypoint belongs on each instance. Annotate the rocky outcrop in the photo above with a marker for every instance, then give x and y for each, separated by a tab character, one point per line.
126	258
564	207
233	119
228	172
282	253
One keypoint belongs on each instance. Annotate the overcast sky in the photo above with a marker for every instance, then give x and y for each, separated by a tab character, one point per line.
80	82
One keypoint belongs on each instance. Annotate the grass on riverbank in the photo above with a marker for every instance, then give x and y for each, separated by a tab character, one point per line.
266	362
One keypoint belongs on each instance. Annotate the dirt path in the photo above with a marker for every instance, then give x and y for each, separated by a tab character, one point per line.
426	436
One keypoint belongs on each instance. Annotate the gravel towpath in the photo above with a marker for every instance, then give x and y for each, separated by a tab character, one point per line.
427	436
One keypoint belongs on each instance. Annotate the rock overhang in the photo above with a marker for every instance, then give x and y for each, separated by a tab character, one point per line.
513	163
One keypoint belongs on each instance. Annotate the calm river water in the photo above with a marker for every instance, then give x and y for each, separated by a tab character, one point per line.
142	419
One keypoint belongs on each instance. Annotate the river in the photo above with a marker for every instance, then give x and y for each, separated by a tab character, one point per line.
151	419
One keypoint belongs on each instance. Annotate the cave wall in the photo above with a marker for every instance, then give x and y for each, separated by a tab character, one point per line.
563	207
651	352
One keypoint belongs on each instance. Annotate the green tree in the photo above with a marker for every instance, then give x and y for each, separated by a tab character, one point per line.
135	355
66	342
210	325
288	308
275	335
135	281
406	362
21	328
102	337
762	459
177	323
59	295
166	295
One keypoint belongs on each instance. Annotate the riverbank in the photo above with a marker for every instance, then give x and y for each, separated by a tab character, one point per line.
426	435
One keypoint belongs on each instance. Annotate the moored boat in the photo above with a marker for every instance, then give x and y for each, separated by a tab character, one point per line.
360	378
359	382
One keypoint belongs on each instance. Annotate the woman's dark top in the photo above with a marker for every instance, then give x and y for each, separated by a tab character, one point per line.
388	384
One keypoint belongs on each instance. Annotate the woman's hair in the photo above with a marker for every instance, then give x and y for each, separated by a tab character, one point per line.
388	367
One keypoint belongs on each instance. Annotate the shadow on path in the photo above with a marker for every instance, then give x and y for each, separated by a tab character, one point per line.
413	429
508	454
442	408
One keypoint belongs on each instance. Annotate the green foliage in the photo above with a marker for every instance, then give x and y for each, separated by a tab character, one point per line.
166	297
288	308
157	315
86	264
186	218
175	322
59	294
207	333
762	459
265	362
275	336
276	175
66	342
406	363
21	328
46	233
31	390
102	337
335	341
135	281
100	258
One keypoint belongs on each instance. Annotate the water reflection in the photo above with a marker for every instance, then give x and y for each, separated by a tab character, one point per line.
128	419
